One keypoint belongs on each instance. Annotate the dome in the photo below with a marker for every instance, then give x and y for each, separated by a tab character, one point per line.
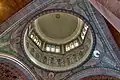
58	27
58	40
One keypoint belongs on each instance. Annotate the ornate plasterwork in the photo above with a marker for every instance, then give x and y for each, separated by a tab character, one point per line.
64	59
11	40
12	69
82	75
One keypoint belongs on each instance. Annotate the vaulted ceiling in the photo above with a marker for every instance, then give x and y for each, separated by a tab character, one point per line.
52	42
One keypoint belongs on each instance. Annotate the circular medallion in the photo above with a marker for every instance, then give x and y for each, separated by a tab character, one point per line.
12	69
58	40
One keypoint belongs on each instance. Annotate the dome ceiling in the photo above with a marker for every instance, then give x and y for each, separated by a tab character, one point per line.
61	40
43	41
57	27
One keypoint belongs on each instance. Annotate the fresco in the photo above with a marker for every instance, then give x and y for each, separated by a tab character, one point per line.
10	7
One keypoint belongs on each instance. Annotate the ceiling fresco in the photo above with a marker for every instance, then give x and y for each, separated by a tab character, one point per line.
57	40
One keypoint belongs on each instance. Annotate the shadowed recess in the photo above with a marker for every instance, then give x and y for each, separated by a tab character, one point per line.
10	7
100	77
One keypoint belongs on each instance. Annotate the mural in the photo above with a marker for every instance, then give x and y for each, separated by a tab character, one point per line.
10	7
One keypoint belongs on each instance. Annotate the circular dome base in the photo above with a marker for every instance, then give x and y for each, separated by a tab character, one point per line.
65	53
